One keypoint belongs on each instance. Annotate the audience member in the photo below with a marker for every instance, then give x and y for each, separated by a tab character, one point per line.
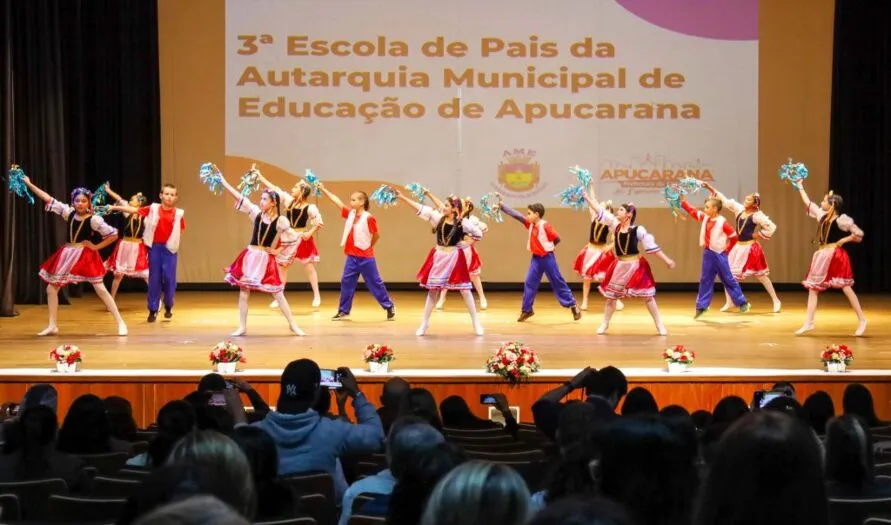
420	402
214	382
639	401
175	420
702	419
86	430
119	412
479	493
197	510
210	414
728	410
414	483
788	405
850	461
579	510
571	475
394	390
40	394
604	389
456	414
819	409
275	500
857	401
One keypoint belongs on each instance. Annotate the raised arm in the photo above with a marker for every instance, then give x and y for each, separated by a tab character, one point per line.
731	204
693	211
591	199
124	208
416	205
436	202
42	195
115	197
513	213
803	194
232	191
337	202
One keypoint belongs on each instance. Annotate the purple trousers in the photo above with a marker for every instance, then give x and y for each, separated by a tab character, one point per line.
162	277
367	268
716	265
546	265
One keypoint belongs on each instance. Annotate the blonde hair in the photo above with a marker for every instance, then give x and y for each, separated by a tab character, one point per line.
479	493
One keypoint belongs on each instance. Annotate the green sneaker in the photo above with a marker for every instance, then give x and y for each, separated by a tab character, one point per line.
745	308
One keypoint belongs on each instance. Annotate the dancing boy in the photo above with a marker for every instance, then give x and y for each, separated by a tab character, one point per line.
542	241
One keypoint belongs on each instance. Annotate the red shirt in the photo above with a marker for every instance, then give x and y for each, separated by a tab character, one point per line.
349	247
165	223
732	238
534	244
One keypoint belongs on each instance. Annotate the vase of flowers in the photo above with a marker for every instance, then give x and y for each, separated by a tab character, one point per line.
67	358
513	361
226	356
378	358
678	358
836	358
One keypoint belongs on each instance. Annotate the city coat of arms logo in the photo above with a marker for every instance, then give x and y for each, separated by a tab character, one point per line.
518	171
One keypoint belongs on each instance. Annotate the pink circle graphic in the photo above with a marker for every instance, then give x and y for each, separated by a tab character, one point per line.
714	19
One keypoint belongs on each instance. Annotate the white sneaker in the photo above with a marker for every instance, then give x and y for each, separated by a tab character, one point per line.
603	328
440	304
584	307
316	302
240	332
804	329
122	329
861	328
422	330
49	330
620	306
483	303
273	304
478	329
726	307
777	306
297	331
662	330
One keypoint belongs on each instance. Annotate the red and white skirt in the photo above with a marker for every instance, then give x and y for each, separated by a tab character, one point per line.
304	251
593	261
830	268
445	268
255	269
474	264
747	260
129	258
628	277
72	263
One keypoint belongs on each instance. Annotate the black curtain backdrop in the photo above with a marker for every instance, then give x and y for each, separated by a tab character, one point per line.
80	106
860	146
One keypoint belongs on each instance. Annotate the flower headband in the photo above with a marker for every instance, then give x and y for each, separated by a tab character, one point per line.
82	191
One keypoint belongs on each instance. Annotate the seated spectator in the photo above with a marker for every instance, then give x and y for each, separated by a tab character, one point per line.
857	401
702	419
41	394
571	473
850	461
582	511
767	470
603	388
275	500
175	420
648	468
788	405
394	390
119	413
37	457
639	401
819	409
309	443
672	411
86	430
409	437
728	410
214	382
212	416
197	510
456	414
420	402
479	493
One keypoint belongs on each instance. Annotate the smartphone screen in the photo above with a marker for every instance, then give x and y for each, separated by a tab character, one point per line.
217	399
763	397
488	399
330	378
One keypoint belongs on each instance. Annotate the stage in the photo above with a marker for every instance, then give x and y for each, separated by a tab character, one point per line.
736	353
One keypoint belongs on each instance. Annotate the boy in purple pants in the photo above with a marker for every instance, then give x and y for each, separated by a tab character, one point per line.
542	241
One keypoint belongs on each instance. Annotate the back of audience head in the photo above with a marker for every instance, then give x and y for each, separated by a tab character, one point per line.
858	401
37	433
394	390
577	440
819	409
649	468
196	510
789	406
729	409
417	481
85	429
301	382
260	451
849	452
119	413
608	383
456	413
410	439
479	493
639	401
582	511
784	386
41	394
420	402
767	470
702	419
212	382
175	420
207	416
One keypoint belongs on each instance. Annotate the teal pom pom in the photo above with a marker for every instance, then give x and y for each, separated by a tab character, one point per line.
210	174
384	196
16	183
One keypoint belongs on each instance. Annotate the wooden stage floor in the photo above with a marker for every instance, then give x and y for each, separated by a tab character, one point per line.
727	344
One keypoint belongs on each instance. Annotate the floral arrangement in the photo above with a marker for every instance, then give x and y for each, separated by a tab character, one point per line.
679	354
837	354
66	354
375	353
513	361
227	352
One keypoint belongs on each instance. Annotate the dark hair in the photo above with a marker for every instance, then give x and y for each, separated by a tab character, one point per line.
119	413
261	453
788	405
455	413
767	470
675	411
849	452
639	401
631	209
85	429
819	409
420	402
410	439
209	417
701	418
729	409
857	400
305	190
572	473
582	510
648	468
394	390
538	208
212	382
275	199
836	201
606	382
37	427
175	420
365	201
410	494
784	386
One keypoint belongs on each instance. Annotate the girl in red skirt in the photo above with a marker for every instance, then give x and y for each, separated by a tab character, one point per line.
78	260
305	220
830	266
474	263
597	256
446	267
629	275
130	256
746	258
255	267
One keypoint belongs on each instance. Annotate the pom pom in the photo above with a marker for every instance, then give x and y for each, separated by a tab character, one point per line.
250	181
100	195
16	183
490	207
672	193
417	191
574	197
313	182
672	197
793	172
101	210
583	175
384	196
210	175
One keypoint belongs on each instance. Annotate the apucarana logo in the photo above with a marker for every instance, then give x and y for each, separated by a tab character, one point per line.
650	173
519	174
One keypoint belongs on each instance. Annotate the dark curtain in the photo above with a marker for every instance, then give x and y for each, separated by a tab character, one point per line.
860	145
80	106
